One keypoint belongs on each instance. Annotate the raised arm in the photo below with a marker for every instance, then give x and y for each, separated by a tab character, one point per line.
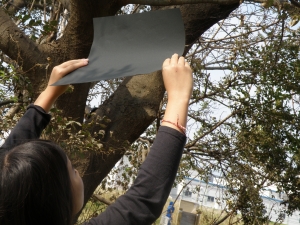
36	118
178	81
51	93
144	201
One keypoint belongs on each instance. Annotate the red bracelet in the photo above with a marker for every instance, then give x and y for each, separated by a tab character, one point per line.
182	128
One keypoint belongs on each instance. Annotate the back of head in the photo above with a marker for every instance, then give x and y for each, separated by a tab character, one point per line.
35	186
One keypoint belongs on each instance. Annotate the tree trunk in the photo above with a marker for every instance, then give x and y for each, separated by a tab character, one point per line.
134	105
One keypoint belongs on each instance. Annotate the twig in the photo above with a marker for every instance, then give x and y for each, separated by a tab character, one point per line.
101	199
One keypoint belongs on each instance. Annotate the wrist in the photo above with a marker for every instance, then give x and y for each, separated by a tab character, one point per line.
176	125
176	114
179	102
179	96
45	100
50	94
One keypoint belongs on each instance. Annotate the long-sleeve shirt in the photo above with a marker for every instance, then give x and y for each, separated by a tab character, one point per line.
144	201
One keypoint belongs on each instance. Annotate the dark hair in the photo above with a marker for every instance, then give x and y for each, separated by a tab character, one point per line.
35	186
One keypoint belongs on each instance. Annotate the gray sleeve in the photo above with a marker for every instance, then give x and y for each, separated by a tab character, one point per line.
29	127
144	201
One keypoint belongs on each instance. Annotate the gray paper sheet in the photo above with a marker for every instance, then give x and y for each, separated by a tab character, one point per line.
129	45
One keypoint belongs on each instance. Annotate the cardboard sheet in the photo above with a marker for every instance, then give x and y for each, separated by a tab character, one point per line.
129	45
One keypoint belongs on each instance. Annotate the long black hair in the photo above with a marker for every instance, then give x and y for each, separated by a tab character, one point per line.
35	186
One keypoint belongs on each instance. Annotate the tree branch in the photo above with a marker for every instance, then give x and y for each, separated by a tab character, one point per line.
66	4
6	102
16	45
295	3
211	130
130	108
12	111
180	2
101	199
218	68
14	6
224	218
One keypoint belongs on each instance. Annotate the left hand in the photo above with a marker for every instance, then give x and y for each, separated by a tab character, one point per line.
59	72
47	98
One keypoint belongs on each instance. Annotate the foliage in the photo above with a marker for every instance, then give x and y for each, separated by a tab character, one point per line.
243	119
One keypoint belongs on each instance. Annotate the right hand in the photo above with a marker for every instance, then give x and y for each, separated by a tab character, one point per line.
178	79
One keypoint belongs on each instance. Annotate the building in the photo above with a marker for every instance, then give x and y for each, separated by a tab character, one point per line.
195	193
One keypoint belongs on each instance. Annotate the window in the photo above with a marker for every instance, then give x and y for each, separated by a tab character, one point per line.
187	192
210	198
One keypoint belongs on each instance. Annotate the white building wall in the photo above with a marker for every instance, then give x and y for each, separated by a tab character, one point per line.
212	195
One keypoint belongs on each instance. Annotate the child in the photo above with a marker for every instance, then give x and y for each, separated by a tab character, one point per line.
39	186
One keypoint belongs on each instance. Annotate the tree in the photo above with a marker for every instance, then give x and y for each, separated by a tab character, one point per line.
37	35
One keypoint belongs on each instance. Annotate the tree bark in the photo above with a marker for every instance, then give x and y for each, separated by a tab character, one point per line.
15	44
180	2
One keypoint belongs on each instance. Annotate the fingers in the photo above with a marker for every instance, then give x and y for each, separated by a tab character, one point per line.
186	64
181	61
66	68
72	65
71	62
174	59
166	62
